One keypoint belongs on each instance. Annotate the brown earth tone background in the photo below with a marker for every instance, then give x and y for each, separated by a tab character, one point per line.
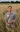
3	10
3	7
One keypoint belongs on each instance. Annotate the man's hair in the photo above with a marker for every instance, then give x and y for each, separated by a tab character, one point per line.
9	6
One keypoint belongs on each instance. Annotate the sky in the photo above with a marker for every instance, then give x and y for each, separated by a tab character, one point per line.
9	0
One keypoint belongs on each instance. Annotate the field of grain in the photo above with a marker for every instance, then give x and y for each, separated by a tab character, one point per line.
3	10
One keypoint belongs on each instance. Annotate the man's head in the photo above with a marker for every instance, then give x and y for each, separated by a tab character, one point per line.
9	8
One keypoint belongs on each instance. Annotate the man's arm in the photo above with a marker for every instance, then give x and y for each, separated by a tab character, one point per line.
6	18
14	18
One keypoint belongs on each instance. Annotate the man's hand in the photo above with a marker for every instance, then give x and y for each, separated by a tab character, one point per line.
14	20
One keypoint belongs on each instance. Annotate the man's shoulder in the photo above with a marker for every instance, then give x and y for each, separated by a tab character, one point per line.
13	12
6	13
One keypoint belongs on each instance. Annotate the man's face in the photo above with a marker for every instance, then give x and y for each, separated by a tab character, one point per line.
9	9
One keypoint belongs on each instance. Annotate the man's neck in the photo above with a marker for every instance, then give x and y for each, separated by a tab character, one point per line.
9	12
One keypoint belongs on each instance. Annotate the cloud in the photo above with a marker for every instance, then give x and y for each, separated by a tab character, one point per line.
9	0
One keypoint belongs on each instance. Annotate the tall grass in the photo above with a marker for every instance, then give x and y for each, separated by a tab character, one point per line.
2	23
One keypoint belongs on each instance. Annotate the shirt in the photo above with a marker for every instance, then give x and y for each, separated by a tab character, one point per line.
10	17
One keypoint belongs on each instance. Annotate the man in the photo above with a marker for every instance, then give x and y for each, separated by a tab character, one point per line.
10	17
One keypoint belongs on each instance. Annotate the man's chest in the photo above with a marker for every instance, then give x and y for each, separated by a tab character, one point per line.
9	16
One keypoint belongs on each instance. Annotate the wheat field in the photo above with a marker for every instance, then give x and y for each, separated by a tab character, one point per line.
3	10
